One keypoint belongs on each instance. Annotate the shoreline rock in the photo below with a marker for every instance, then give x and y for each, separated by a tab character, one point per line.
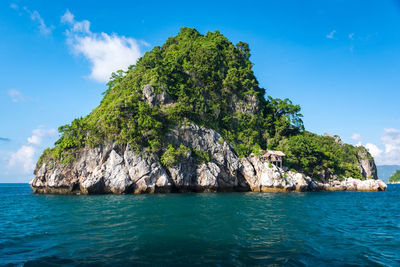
117	169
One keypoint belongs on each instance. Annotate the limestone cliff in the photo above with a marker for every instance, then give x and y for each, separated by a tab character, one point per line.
113	168
367	165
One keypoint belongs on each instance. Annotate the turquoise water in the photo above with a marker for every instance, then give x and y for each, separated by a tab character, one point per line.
332	228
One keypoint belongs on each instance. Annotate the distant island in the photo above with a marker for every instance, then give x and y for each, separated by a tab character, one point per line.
190	116
385	171
395	178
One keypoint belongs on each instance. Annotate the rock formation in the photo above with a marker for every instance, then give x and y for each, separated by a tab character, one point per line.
113	168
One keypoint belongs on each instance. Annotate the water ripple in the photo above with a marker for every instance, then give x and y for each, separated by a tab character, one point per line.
298	229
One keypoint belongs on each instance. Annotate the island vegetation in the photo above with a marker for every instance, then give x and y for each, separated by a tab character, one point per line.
209	81
395	177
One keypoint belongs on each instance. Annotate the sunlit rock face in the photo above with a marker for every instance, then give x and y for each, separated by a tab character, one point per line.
118	169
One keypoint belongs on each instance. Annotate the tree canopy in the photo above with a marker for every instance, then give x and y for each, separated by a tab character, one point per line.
395	177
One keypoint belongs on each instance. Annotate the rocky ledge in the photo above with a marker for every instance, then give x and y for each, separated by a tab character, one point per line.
117	169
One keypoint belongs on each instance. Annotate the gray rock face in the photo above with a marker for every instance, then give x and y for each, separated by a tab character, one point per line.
249	105
222	170
367	166
264	177
351	184
107	169
118	169
153	98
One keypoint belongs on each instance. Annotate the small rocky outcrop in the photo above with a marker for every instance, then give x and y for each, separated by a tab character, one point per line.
336	138
119	169
351	184
264	177
153	98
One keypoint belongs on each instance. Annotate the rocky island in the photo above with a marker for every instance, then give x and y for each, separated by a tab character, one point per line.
190	117
395	178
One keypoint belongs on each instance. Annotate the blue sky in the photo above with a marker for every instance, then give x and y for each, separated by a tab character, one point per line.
340	60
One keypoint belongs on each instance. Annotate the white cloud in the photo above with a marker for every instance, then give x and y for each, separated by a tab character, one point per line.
26	155
16	96
391	141
374	150
351	36
331	34
106	53
390	154
356	137
23	157
39	134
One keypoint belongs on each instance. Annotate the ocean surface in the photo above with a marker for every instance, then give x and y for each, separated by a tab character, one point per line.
291	229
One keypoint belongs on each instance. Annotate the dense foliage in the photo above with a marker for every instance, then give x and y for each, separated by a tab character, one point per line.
395	177
211	83
322	156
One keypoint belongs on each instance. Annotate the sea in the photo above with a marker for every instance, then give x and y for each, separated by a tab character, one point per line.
214	229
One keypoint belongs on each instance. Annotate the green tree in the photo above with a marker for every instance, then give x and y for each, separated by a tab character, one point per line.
395	177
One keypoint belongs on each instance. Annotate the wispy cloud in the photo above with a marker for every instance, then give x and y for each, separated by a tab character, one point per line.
4	139
16	96
331	34
106	53
351	36
356	137
35	16
25	156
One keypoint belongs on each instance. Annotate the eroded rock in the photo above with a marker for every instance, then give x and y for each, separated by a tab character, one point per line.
117	169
